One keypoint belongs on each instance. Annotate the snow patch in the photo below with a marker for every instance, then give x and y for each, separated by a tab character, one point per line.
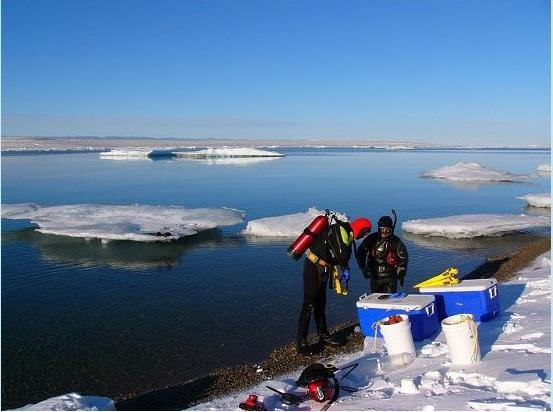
468	226
72	402
473	172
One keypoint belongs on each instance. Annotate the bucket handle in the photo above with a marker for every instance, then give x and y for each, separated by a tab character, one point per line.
430	309
493	292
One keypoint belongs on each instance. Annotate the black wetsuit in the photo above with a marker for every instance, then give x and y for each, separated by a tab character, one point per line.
383	261
315	281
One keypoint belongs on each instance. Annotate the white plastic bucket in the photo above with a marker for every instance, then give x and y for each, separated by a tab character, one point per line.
397	337
461	334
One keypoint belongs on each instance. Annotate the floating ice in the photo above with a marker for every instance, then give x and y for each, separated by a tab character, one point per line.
467	226
228	152
114	222
546	167
537	200
72	402
284	226
473	172
138	153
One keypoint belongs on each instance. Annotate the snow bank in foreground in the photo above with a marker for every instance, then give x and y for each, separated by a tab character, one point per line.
229	152
473	172
113	222
514	374
139	153
72	402
537	200
466	226
284	226
546	167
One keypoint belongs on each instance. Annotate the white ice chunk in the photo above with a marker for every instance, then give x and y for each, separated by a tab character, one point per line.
284	226
473	172
142	223
72	402
546	167
136	153
228	152
537	200
467	226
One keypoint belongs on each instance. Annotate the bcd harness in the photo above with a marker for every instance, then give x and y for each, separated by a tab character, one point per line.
338	281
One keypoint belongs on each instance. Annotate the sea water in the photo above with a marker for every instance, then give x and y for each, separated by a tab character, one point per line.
122	318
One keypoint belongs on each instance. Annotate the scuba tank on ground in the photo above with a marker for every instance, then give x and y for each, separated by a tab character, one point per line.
307	237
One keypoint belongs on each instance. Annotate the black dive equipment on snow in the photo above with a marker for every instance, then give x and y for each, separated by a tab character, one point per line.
321	385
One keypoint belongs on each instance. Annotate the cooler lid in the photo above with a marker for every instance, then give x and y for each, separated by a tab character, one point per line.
409	302
472	285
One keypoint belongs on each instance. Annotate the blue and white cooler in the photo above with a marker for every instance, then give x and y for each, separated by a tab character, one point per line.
420	308
479	297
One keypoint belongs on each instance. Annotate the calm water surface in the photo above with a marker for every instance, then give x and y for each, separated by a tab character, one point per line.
123	317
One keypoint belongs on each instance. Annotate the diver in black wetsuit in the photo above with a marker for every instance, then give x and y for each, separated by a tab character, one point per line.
382	257
332	247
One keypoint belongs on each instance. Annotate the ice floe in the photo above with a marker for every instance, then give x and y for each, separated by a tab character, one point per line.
142	223
284	226
473	172
537	200
546	167
136	153
228	152
468	226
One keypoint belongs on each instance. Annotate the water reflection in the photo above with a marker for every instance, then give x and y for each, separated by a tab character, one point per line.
538	211
491	245
231	161
473	186
119	254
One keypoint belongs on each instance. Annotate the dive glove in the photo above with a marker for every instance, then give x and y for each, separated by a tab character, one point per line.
401	272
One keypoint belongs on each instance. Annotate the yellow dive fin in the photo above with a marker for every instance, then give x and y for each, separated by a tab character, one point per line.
447	277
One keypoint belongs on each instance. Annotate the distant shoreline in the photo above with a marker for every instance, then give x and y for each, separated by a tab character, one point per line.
41	145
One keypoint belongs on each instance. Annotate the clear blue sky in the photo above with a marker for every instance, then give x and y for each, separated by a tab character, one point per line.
455	71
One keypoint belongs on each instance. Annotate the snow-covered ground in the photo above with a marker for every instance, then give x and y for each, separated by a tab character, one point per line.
537	200
468	226
286	225
229	152
473	172
514	374
72	402
142	223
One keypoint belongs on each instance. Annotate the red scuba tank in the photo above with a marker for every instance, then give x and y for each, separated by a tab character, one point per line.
307	237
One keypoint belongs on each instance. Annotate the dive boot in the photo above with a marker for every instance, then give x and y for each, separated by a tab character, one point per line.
304	349
328	340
